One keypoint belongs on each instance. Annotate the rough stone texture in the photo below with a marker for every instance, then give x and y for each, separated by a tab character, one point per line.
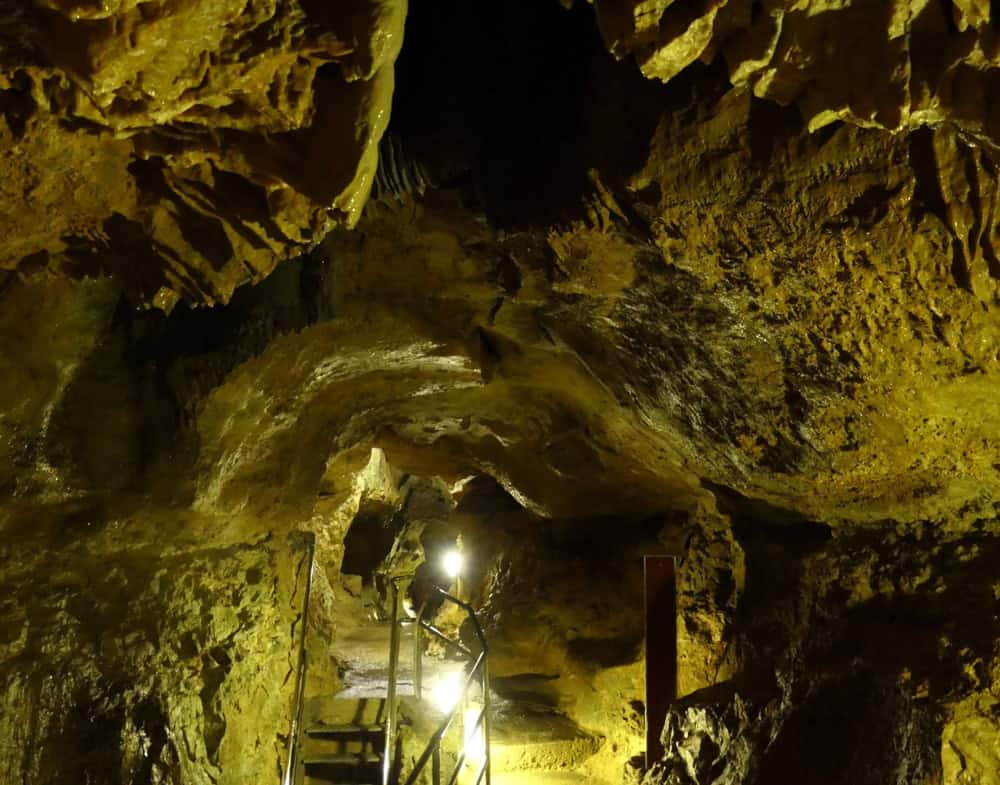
863	642
664	317
893	65
158	661
187	147
139	641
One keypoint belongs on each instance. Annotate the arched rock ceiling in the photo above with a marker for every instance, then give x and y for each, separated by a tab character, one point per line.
843	369
700	290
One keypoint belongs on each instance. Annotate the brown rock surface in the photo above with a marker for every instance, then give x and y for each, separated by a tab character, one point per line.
187	147
646	317
893	65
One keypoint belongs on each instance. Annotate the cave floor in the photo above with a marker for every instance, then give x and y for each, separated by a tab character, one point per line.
532	742
363	654
543	778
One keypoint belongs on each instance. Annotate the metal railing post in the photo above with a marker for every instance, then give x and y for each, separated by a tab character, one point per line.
293	733
486	716
418	654
300	675
478	671
390	709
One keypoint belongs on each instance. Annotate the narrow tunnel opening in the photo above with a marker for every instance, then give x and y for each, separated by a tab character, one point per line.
558	607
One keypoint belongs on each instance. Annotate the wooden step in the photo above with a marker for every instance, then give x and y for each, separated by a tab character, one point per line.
347	730
342	759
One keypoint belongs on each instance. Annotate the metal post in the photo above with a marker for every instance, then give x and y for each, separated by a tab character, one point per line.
486	715
418	654
390	713
293	734
432	751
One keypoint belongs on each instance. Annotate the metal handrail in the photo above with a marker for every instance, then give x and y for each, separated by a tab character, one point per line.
390	697
432	753
435	743
300	672
424	625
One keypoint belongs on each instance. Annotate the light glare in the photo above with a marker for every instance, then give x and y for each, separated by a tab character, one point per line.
446	693
475	748
453	563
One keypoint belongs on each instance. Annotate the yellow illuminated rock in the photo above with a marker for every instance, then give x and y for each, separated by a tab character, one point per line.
557	284
191	146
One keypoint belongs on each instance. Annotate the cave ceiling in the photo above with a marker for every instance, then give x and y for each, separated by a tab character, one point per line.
646	249
717	278
188	147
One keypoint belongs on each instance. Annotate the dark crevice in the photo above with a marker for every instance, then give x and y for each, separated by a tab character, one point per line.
948	14
753	518
770	124
975	201
960	266
989	255
927	196
871	206
368	541
151	724
679	16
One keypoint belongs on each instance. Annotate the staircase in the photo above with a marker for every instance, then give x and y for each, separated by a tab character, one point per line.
347	753
358	742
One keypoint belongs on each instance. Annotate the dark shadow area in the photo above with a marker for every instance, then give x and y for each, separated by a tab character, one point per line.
368	541
589	537
771	126
539	100
483	497
529	687
605	652
853	730
499	109
927	196
860	651
903	630
93	729
150	370
757	519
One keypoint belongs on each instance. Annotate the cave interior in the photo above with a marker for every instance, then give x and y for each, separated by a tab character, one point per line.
644	346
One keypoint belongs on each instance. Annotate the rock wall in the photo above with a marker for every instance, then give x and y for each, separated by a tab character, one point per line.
747	315
141	641
893	65
187	148
861	657
162	659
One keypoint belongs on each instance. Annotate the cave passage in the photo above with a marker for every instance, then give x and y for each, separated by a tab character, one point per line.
605	391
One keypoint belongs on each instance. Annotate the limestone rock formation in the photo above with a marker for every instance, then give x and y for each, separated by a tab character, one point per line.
892	65
187	148
744	312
